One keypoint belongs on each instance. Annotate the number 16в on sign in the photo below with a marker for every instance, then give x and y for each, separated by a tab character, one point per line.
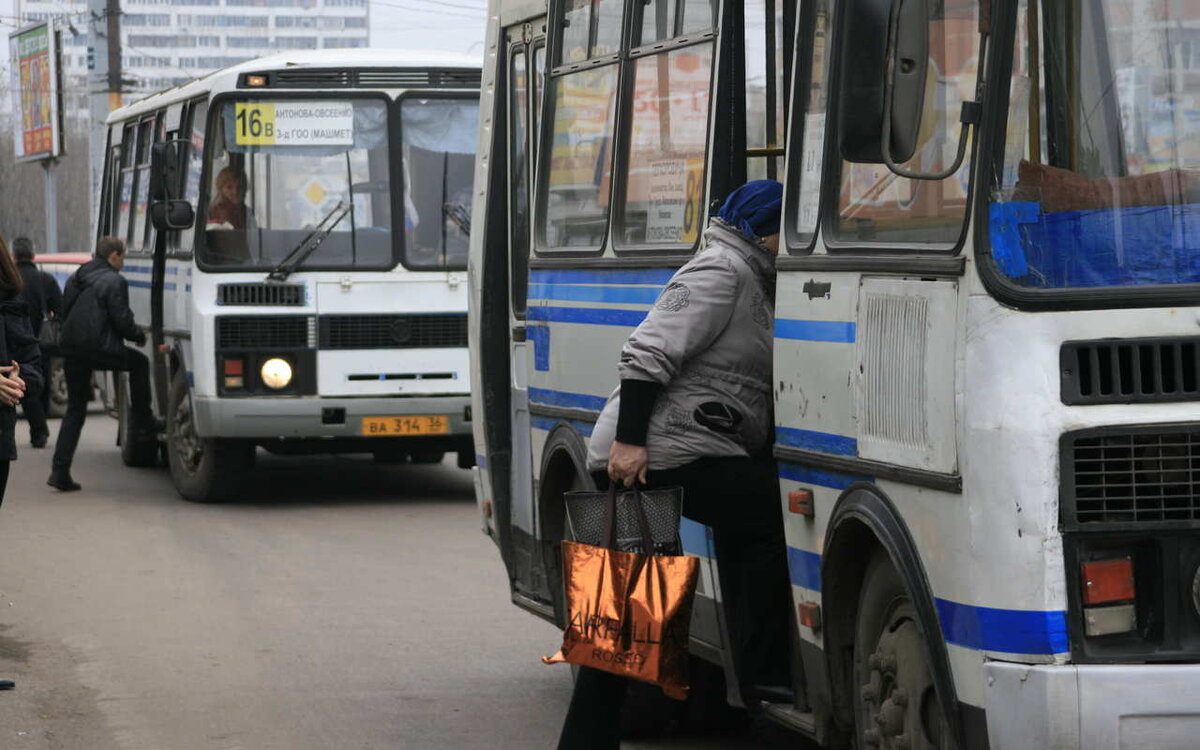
294	124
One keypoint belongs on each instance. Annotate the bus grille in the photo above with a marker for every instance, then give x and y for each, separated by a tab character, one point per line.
393	331
1132	476
276	295
264	332
1130	371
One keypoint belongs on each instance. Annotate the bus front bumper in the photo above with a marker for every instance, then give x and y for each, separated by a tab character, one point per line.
326	418
1093	706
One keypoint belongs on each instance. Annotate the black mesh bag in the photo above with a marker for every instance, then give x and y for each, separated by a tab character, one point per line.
587	518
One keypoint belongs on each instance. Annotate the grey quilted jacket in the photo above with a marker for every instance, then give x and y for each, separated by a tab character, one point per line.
707	341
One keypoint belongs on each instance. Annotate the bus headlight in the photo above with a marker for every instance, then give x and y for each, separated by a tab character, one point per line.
276	373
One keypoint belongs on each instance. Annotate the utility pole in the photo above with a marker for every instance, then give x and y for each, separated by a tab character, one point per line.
104	82
113	14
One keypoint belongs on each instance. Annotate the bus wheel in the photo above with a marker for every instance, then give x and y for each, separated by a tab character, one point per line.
135	450
57	383
204	470
896	704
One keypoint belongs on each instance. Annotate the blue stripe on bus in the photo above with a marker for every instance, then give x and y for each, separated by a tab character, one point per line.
168	285
694	536
587	315
1013	631
820	478
570	400
825	442
804	568
481	461
815	330
602	276
549	423
630	295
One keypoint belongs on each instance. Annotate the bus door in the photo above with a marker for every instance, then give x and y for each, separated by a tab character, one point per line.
526	62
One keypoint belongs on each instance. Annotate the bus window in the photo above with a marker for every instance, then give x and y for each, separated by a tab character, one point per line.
591	28
269	187
518	173
125	180
812	97
1100	184
438	137
764	67
877	206
573	191
141	189
667	144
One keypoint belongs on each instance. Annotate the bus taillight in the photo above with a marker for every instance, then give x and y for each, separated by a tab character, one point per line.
1108	583
235	372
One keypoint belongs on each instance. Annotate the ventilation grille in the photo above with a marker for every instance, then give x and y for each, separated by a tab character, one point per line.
893	358
300	78
1132	477
277	295
393	331
1129	371
265	332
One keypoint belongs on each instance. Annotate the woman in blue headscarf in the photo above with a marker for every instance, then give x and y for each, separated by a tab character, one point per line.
694	409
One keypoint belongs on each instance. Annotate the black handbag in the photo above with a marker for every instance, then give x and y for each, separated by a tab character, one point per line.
637	512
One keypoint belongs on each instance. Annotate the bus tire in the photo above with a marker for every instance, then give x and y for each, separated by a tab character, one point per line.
427	457
56	381
204	470
895	699
140	451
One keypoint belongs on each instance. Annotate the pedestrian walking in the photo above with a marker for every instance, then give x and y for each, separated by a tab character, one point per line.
694	409
20	373
96	323
44	300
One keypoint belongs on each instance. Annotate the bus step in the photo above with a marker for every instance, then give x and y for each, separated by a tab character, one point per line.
790	717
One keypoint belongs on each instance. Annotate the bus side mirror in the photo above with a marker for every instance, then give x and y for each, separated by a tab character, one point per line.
885	61
167	211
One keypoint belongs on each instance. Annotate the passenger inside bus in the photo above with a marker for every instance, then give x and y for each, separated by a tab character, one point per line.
228	218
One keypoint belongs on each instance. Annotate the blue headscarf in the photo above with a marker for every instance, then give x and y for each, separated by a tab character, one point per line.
754	208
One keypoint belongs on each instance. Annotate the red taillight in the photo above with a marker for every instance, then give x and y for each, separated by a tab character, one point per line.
235	367
1106	581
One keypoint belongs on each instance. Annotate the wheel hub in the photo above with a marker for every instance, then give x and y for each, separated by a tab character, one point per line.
899	692
187	444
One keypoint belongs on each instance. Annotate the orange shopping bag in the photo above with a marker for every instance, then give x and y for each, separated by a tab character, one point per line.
628	612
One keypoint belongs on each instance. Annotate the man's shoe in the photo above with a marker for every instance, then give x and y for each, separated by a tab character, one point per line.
7	684
63	482
40	442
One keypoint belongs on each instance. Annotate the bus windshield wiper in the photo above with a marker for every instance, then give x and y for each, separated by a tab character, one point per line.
310	243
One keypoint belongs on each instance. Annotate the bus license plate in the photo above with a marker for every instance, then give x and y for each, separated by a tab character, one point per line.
419	425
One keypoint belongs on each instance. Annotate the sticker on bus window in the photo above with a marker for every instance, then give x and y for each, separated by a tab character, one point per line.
313	123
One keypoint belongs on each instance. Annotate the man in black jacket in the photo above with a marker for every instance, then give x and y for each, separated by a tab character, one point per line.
45	300
96	323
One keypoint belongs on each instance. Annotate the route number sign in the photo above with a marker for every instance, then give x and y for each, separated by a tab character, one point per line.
310	123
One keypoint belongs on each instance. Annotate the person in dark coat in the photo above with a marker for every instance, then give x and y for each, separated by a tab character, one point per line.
21	372
97	322
44	300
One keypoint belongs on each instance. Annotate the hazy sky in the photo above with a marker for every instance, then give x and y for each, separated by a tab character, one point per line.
447	25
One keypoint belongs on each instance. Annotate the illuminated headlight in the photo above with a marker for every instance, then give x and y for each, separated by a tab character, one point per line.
276	373
1196	591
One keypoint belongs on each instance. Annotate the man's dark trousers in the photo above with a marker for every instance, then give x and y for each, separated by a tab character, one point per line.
37	404
79	391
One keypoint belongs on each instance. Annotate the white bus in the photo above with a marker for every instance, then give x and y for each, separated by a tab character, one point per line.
297	232
987	361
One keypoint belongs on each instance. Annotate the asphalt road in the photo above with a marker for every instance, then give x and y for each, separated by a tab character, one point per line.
346	605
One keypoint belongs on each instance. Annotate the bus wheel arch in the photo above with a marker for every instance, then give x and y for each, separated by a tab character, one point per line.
563	468
865	524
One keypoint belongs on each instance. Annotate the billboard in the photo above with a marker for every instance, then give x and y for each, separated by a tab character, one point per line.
33	59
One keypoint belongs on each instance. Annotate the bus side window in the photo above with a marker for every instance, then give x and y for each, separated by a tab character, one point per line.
668	137
806	152
518	174
141	186
112	176
125	181
765	41
197	121
877	206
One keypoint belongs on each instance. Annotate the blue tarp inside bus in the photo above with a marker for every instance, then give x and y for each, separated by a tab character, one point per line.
1101	247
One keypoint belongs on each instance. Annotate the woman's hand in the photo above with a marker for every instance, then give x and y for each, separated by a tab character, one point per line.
12	387
627	463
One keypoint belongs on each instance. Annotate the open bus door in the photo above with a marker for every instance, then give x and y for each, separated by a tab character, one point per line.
524	55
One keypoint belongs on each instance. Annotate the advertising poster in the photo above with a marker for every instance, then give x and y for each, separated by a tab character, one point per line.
33	62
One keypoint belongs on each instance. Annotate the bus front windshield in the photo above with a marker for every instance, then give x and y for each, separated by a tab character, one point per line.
1100	184
279	168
